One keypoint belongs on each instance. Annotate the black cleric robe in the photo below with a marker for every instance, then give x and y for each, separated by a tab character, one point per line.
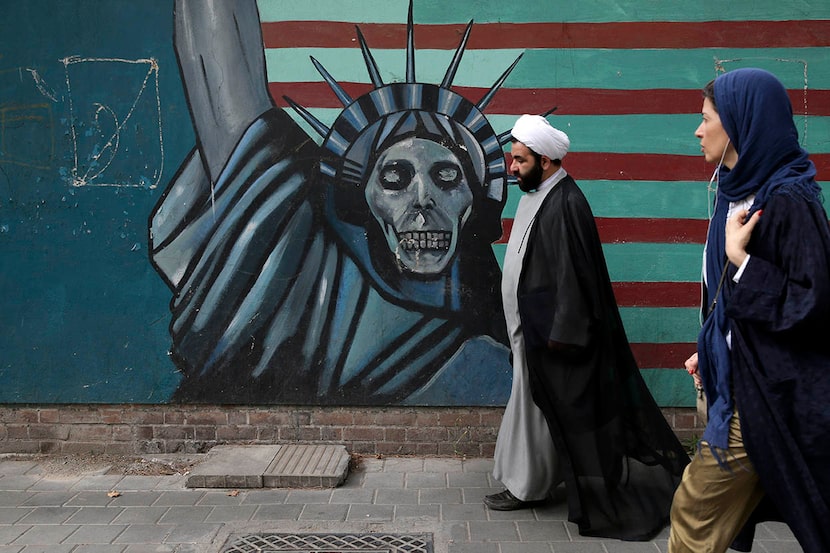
620	458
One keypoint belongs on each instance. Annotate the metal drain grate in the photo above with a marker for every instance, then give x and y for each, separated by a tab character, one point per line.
330	543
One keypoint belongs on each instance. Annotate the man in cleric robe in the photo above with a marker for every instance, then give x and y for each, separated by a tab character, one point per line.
360	271
619	458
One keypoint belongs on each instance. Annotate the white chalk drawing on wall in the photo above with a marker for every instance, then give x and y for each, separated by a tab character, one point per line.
26	126
116	129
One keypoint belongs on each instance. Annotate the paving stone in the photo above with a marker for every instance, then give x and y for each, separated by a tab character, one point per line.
47	499
97	498
396	497
143	533
489	530
371	513
10	515
231	467
352	496
403	464
463	512
426	480
412	513
135	498
97	533
183	515
193	533
140	515
543	531
99	548
10	533
440	495
324	512
279	466
94	515
309	496
228	513
521	547
278	512
14	498
18	482
49	515
468	480
54	484
306	466
46	534
9	468
383	480
184	497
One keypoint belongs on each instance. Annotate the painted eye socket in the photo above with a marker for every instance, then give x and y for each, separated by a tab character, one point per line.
446	174
396	175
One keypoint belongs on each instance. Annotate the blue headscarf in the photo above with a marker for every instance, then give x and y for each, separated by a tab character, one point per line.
756	114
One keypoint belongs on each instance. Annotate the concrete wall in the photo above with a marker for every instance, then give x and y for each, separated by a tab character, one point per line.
109	218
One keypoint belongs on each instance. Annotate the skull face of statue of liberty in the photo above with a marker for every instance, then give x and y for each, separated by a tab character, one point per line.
419	194
415	176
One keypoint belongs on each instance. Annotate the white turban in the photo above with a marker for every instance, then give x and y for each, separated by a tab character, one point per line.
536	133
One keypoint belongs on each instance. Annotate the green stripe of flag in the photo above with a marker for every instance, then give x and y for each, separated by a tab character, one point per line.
661	324
596	11
653	134
639	262
560	68
670	388
645	199
674	200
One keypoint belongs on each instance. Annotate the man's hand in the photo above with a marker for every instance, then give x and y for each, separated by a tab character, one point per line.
737	235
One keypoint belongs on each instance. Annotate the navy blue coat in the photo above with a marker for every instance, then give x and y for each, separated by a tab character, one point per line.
779	314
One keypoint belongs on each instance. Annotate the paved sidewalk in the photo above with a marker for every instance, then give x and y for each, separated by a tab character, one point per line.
441	497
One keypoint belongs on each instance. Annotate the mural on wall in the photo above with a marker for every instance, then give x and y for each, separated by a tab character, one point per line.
172	228
360	271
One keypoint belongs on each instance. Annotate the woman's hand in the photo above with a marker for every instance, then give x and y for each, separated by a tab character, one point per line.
737	235
691	368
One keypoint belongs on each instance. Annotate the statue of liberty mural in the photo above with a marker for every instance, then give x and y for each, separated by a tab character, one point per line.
356	272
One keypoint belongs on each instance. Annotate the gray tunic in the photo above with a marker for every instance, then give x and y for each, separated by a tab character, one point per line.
525	459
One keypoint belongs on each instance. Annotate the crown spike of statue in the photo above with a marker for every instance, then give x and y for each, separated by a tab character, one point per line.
374	75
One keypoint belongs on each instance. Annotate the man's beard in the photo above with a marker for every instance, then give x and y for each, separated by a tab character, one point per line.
532	180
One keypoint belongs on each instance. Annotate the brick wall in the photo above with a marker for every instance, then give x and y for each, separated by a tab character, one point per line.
149	429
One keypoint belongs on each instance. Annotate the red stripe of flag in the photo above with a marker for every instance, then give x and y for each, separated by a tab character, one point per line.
657	294
485	36
662	356
570	101
672	231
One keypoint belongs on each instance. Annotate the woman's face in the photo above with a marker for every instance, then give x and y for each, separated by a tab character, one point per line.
713	138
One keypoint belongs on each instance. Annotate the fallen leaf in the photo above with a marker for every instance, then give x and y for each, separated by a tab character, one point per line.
233	493
113	493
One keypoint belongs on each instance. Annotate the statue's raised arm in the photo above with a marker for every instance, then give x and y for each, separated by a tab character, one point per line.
222	63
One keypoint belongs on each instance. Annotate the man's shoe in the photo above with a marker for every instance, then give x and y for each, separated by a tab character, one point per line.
505	501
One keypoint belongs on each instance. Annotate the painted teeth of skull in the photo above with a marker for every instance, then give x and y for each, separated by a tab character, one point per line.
425	240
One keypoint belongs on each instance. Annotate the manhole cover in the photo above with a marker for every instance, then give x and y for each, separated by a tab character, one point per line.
330	543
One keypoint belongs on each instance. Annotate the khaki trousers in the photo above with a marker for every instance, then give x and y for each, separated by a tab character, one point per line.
712	503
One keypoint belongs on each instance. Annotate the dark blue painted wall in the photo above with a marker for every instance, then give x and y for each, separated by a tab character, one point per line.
84	316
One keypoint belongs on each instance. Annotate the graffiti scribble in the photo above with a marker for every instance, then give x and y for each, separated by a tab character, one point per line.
104	144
